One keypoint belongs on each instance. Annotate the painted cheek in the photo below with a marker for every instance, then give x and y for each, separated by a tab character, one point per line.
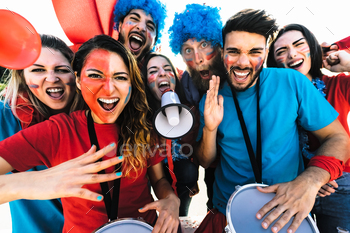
305	49
308	55
152	78
258	64
152	85
228	61
210	55
128	96
172	78
71	82
189	62
33	86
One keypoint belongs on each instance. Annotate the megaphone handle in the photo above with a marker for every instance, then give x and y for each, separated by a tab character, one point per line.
171	165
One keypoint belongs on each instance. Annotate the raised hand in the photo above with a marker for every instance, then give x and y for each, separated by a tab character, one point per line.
214	105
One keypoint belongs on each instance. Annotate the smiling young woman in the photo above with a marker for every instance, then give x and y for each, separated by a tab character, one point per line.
159	75
111	84
295	47
32	95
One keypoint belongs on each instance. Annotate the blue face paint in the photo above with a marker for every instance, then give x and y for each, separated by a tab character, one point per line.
128	96
281	65
172	80
33	86
189	59
259	64
308	54
152	85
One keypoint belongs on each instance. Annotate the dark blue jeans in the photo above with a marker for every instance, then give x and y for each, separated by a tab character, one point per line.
186	174
334	211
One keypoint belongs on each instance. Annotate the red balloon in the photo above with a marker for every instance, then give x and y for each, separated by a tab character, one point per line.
20	44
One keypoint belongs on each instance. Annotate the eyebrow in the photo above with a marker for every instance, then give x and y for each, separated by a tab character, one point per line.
253	49
138	16
100	72
156	67
292	44
59	66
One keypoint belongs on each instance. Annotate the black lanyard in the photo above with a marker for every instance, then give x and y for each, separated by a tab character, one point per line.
111	205
255	162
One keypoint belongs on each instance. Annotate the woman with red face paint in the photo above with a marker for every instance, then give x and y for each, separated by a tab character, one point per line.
296	47
159	75
33	95
110	83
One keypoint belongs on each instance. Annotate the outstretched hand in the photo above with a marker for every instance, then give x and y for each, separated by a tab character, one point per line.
214	105
67	179
168	208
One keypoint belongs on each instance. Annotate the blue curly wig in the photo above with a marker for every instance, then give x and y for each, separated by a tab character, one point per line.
153	7
197	21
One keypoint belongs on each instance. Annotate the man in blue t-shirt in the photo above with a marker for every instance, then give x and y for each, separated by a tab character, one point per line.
274	102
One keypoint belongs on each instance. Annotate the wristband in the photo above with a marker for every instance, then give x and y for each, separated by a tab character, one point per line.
332	165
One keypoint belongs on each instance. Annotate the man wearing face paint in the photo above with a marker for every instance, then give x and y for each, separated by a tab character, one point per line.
139	23
196	35
266	105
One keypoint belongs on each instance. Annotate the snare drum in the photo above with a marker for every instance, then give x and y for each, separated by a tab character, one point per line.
125	225
243	205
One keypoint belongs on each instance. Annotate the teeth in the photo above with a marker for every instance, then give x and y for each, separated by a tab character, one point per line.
55	90
137	38
296	63
163	84
241	74
108	101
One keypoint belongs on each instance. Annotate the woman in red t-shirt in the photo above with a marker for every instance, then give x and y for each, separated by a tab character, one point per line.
110	83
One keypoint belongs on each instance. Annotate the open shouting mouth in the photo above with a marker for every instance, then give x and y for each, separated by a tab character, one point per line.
55	92
108	104
136	41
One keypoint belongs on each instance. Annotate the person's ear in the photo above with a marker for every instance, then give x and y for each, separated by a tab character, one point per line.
77	80
120	26
267	52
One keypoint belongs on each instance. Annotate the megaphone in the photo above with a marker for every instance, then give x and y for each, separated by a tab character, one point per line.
20	44
173	120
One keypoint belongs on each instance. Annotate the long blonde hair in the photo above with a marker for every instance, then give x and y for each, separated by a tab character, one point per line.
134	129
16	85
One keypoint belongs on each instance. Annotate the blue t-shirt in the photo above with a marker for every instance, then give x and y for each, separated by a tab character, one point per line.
38	216
286	98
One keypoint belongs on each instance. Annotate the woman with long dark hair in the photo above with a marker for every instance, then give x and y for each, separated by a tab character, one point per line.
295	47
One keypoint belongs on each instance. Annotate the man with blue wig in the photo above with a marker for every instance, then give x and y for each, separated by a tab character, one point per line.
139	23
196	35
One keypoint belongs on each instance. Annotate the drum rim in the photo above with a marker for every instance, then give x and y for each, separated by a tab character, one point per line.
140	221
249	186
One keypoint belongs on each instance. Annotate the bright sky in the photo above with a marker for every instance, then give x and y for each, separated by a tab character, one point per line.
328	20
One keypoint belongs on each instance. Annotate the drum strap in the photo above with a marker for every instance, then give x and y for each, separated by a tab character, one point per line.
255	161
110	204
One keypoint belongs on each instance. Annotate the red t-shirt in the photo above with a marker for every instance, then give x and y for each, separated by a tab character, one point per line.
64	137
338	95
